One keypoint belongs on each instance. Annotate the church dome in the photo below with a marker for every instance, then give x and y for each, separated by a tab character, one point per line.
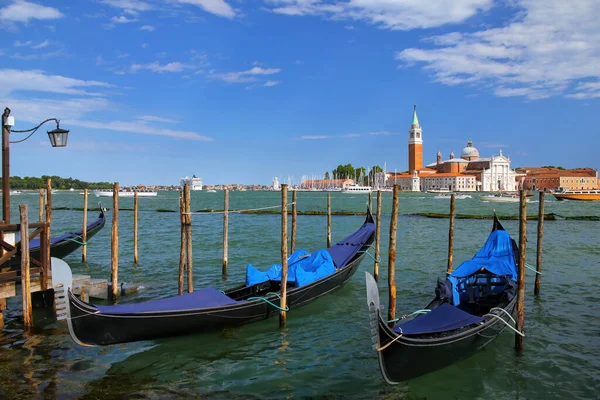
469	152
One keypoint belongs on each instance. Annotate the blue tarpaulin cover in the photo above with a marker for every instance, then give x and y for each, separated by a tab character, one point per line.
345	249
35	243
303	268
496	256
443	318
203	298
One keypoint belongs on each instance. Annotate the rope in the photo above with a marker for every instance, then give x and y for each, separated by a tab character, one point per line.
236	211
505	312
505	323
388	345
370	255
423	311
533	269
77	241
270	303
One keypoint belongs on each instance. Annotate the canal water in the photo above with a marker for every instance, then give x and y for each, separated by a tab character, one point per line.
325	350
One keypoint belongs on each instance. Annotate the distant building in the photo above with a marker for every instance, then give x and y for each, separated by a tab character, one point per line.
276	185
470	172
550	178
326	183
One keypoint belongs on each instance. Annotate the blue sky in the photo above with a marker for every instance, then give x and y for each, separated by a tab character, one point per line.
239	91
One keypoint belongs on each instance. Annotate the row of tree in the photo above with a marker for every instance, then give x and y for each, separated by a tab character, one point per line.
359	174
31	182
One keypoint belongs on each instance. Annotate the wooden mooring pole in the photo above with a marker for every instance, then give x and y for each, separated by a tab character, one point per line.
114	244
84	231
451	234
46	250
328	220
522	260
392	256
25	276
370	202
136	209
284	255
377	237
540	237
183	242
188	237
41	209
225	232
294	217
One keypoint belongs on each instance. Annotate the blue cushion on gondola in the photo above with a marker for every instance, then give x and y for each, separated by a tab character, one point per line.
317	266
203	298
443	318
254	276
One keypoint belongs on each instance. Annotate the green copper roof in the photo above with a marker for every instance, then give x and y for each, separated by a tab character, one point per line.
415	120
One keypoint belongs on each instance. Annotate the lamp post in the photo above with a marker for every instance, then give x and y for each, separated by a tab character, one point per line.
58	138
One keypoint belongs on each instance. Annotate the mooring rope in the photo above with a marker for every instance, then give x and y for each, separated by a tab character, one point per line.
390	343
423	311
269	302
77	241
533	269
505	323
235	211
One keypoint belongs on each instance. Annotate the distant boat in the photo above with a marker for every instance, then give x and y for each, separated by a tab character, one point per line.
13	192
354	188
449	195
126	193
211	191
440	190
578	195
502	198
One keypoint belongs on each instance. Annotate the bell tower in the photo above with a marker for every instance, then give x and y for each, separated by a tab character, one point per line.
415	144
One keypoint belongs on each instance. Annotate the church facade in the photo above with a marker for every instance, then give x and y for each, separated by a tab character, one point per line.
466	173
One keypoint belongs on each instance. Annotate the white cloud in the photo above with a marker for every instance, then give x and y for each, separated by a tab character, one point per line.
156	67
245	76
547	49
383	133
145	45
132	5
136	127
34	110
217	7
154	118
13	80
389	14
24	11
271	83
313	137
148	28
122	20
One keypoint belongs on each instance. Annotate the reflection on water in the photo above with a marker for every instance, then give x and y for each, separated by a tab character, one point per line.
325	350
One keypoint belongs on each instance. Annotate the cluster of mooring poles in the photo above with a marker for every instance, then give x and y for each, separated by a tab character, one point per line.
41	265
520	309
185	263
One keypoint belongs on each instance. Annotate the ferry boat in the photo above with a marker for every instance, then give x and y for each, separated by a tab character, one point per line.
440	190
449	195
126	193
194	181
502	198
354	188
586	195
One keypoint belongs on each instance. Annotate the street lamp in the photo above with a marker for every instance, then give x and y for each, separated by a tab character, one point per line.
58	138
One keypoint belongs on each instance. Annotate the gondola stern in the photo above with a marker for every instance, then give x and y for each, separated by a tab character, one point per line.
62	283
369	219
374	305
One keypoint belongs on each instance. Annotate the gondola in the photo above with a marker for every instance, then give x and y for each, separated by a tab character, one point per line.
63	245
310	277
470	309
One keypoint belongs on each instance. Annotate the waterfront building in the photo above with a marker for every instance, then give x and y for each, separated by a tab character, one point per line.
276	185
469	172
326	184
194	181
550	178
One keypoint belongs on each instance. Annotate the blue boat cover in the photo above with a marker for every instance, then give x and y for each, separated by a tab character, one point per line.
496	256
443	318
344	250
203	298
303	268
35	243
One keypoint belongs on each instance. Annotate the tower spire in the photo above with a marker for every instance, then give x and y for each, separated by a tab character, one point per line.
415	119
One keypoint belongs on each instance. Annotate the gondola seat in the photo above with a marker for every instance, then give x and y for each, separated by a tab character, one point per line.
443	318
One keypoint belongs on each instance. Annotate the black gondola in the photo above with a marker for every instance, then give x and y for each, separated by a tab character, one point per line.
63	245
470	309
208	308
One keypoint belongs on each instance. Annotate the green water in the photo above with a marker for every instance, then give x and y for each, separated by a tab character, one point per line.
326	348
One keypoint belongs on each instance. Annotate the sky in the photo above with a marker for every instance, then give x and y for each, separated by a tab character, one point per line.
241	91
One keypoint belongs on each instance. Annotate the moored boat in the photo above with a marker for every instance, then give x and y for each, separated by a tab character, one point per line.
310	277
502	198
126	193
354	188
584	195
470	309
449	195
